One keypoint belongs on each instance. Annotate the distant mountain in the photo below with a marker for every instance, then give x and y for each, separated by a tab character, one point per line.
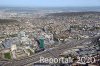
73	13
61	9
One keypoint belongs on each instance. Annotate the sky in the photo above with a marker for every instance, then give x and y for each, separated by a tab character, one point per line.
49	3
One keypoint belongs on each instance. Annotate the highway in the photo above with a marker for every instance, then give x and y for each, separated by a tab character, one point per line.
50	53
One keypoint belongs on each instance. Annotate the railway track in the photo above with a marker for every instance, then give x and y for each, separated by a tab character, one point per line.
51	53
